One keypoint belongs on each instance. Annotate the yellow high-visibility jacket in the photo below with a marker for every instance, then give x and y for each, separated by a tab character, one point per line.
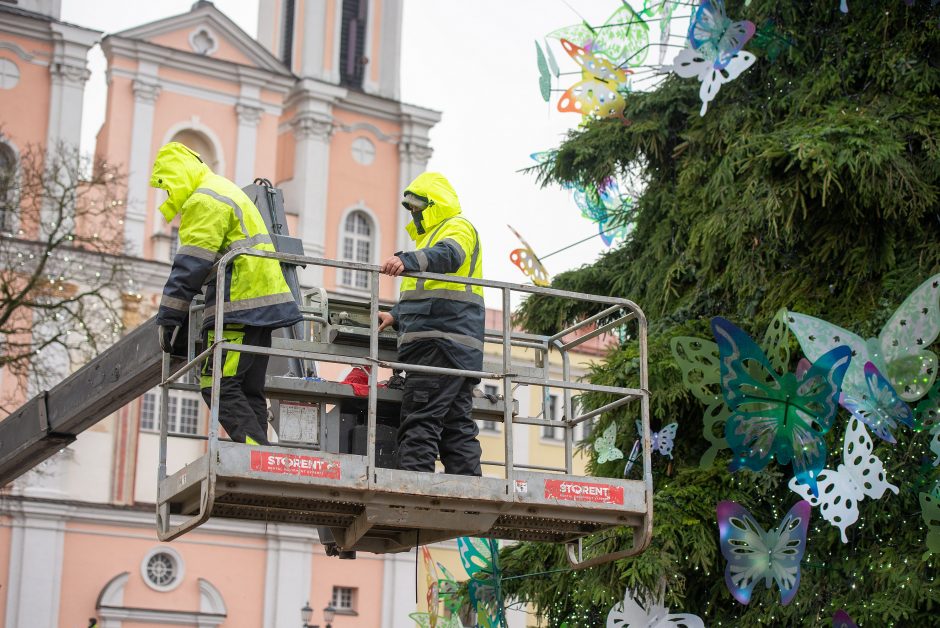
216	217
446	314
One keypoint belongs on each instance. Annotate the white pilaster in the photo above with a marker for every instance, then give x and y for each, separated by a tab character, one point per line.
35	579
312	126
389	54
398	589
68	72
249	113
146	91
311	175
314	35
287	574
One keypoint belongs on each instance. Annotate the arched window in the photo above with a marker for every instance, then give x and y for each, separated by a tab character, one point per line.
358	234
201	144
7	188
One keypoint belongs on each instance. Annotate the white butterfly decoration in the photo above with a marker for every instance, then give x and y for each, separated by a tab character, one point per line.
861	475
691	62
606	445
899	352
663	440
630	614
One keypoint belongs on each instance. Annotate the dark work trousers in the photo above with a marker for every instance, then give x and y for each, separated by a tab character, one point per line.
243	410
435	418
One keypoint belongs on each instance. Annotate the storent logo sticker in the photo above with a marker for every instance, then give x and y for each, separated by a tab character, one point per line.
295	465
583	492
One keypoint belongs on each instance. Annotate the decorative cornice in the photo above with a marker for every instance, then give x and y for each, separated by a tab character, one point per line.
248	115
69	73
145	92
411	151
307	126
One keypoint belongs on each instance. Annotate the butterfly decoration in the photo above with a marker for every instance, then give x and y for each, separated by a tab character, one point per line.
930	511
899	352
622	38
448	590
600	206
770	41
698	360
528	262
480	559
632	458
713	35
663	440
605	445
773	415
545	77
693	63
754	554
860	475
431	578
424	621
600	91
841	619
631	613
880	408
844	6
662	11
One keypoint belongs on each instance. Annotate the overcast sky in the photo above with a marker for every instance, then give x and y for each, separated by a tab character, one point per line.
475	62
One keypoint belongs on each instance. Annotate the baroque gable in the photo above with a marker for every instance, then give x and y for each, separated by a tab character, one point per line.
208	33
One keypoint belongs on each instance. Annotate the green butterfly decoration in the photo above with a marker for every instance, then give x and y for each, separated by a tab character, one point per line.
449	591
424	621
545	78
623	37
699	362
480	559
606	447
930	511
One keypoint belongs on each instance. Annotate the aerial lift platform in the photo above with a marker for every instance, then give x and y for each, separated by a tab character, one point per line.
324	479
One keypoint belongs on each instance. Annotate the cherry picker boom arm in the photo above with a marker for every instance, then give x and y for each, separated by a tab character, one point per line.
53	419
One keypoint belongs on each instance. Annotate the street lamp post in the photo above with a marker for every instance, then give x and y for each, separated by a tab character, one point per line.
306	614
328	614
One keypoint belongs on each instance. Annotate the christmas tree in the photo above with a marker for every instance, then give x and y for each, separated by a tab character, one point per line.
812	183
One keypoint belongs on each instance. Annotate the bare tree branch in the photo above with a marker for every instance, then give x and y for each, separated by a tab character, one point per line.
62	264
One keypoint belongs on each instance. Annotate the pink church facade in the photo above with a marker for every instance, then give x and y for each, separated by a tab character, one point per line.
313	105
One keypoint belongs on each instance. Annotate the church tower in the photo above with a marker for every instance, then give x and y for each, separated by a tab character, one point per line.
348	146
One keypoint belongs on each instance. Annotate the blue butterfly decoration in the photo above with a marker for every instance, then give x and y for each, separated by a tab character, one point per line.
715	36
783	416
754	554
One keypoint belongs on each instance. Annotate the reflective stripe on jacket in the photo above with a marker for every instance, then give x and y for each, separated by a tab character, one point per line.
446	313
217	217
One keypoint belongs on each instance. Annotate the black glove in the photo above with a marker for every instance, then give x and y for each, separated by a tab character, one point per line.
167	335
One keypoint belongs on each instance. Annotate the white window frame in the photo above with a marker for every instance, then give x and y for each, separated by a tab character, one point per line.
177	399
179	566
14	216
551	434
486	425
337	598
375	238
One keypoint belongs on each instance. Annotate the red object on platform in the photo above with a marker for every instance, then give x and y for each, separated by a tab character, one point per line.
358	378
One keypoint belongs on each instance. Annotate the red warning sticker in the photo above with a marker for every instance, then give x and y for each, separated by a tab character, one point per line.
295	465
583	492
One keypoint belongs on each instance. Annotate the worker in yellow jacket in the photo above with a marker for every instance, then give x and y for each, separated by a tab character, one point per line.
215	218
439	323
